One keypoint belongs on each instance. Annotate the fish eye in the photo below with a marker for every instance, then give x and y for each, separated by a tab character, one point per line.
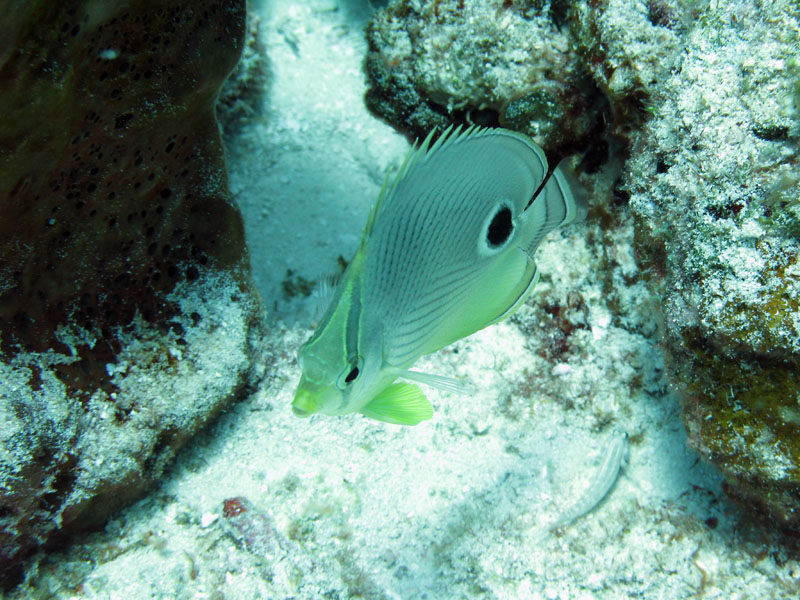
350	374
500	228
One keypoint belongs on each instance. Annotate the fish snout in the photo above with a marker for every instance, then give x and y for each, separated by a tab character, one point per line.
299	412
307	399
303	404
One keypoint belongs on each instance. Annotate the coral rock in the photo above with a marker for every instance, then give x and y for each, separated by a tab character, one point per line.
715	188
122	257
435	62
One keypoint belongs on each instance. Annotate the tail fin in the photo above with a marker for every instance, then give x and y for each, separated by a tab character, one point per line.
570	192
561	201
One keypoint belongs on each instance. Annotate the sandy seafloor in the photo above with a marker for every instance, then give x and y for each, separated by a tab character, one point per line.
456	507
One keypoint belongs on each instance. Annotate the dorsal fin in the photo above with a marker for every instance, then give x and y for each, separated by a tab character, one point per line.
323	293
418	154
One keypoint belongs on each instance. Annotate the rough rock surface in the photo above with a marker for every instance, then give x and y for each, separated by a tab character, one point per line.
695	107
431	63
241	99
125	305
715	189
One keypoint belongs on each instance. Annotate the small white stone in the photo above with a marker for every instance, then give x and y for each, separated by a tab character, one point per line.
207	519
561	369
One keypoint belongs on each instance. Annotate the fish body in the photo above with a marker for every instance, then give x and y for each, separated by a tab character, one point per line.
447	250
604	479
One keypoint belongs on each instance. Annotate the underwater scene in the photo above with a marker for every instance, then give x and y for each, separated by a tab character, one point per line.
400	299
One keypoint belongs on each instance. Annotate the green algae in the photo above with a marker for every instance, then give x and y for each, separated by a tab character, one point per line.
744	415
764	322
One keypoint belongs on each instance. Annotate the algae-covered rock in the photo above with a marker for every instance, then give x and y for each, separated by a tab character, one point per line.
126	313
714	186
434	62
629	48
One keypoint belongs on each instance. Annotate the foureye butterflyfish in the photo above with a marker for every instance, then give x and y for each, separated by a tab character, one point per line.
447	250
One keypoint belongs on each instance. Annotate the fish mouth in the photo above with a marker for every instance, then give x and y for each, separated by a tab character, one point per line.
299	412
305	402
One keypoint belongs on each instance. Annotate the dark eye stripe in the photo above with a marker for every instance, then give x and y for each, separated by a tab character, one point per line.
353	319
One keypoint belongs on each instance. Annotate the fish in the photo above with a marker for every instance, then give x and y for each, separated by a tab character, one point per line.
447	250
604	479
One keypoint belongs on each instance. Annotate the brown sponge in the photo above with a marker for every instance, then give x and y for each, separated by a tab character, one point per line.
112	181
120	248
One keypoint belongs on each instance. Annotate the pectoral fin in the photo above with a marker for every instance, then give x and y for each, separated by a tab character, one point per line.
440	382
401	404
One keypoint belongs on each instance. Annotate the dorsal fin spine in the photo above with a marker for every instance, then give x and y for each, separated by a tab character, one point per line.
419	152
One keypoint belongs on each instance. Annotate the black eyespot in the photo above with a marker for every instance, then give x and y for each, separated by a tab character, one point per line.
500	228
352	375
